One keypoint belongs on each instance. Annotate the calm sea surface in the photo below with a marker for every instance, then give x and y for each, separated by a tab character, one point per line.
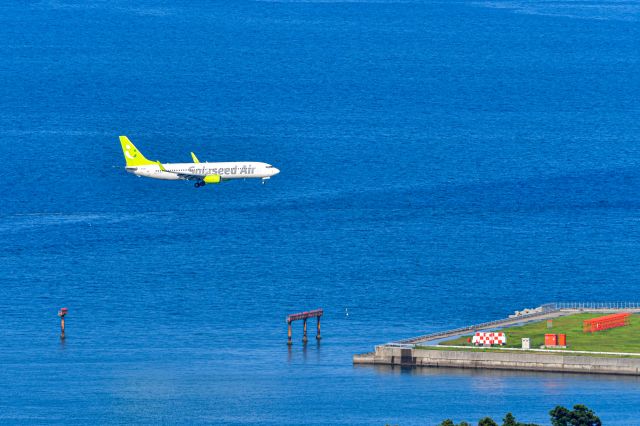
443	163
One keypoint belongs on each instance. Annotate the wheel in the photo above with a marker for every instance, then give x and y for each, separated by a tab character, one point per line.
197	184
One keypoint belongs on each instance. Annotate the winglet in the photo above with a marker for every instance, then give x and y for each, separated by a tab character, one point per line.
195	159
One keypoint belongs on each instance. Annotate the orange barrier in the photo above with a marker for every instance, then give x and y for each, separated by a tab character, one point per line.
562	340
550	340
606	322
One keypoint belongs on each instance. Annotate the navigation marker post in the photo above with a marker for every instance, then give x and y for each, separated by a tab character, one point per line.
62	313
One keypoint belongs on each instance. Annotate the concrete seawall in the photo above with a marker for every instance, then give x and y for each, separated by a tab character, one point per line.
409	357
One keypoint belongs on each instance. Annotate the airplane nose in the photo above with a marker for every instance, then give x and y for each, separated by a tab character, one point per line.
276	171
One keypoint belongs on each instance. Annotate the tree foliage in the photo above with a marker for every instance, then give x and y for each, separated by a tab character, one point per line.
509	420
450	422
579	416
560	416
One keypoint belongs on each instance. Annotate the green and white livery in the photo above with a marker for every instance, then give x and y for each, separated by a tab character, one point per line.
201	173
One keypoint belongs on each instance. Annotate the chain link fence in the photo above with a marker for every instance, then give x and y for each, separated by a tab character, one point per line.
591	305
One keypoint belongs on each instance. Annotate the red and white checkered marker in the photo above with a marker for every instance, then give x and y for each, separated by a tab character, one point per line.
489	338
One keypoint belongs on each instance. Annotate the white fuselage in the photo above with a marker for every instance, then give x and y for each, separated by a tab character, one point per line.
226	171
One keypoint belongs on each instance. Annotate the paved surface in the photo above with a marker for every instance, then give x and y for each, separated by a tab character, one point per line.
485	326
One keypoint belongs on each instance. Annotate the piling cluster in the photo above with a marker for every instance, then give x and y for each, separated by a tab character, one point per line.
316	313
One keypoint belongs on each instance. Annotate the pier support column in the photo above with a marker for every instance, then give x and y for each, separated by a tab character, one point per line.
304	331
318	337
289	334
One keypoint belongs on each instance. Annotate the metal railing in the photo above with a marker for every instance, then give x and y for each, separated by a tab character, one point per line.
596	305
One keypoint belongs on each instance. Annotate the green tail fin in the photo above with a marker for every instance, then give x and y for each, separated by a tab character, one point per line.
132	156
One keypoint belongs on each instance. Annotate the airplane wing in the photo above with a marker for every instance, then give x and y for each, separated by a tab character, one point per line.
185	175
182	175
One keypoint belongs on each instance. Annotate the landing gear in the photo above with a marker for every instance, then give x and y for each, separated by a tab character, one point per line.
198	184
264	180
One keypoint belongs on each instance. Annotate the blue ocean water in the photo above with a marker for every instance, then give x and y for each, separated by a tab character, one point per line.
443	163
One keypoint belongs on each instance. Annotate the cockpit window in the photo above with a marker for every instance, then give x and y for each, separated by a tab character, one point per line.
269	167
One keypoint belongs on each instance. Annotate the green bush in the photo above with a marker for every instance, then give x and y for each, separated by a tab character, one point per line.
560	416
579	416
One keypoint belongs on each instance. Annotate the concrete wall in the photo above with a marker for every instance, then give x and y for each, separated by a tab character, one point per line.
496	360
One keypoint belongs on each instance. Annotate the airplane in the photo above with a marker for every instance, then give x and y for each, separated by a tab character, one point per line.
202	173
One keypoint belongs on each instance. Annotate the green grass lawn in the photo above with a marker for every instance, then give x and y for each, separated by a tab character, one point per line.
622	339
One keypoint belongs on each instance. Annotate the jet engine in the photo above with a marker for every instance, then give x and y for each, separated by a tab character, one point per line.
211	179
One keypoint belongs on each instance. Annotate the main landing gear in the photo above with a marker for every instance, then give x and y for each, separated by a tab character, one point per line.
199	184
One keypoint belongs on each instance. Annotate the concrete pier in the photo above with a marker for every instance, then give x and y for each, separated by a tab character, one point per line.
410	357
408	353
